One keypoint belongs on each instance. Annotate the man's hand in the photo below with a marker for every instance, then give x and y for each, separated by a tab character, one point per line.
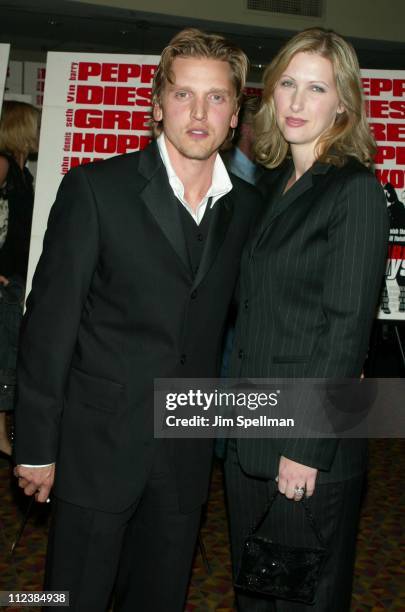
36	480
3	280
293	476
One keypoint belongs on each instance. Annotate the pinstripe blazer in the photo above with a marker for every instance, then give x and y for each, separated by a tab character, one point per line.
310	280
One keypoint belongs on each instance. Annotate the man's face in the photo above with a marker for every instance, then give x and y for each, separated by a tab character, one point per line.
198	108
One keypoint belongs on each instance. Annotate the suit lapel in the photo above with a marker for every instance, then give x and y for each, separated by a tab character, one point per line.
279	203
158	197
221	218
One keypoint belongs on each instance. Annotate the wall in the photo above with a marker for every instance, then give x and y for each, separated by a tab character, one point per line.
375	19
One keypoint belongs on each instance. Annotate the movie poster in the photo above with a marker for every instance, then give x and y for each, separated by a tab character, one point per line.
253	89
384	91
95	106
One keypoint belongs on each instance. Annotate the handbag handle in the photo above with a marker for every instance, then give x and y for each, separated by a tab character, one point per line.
308	513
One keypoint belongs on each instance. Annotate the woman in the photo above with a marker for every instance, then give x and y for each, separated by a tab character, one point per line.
19	129
310	282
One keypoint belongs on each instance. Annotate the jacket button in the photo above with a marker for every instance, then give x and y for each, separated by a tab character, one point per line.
200	237
183	359
193	294
241	354
246	304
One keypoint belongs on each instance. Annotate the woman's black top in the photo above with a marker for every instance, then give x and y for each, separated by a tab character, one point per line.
18	189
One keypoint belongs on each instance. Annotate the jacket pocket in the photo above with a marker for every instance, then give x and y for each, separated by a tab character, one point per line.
98	393
290	358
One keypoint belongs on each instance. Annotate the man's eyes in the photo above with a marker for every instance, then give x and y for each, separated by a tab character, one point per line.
181	94
217	98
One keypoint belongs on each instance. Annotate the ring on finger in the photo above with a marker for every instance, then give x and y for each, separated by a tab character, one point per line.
299	491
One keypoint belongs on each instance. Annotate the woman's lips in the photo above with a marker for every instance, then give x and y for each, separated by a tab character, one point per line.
295	122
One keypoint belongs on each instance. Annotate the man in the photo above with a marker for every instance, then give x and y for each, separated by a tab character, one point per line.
140	259
240	159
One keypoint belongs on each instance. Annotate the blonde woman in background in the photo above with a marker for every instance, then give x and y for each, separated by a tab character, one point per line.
19	129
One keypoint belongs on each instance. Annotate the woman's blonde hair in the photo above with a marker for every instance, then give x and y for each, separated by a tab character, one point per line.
19	127
350	135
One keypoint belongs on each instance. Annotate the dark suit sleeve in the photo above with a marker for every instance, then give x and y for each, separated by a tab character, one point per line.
50	326
357	250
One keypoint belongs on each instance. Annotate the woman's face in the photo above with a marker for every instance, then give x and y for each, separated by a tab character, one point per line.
306	102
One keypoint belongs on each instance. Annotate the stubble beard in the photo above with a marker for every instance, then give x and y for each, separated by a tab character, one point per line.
199	151
196	155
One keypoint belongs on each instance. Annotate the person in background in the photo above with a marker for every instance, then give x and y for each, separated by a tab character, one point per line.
240	158
19	132
311	276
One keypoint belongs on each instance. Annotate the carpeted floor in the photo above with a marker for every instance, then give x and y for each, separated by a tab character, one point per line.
380	567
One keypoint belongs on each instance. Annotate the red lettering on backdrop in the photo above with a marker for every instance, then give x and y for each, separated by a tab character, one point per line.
392	153
121	73
393	132
378	86
116	96
69	117
394	176
112	119
77	161
72	162
73	71
71	93
107	144
117	92
385	109
68	141
396	251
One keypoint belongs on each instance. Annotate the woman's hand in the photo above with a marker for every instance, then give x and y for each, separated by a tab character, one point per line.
3	280
294	479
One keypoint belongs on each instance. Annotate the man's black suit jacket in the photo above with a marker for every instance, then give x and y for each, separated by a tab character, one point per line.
310	280
114	305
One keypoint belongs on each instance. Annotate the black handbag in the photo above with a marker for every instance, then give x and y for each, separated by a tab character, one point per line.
279	570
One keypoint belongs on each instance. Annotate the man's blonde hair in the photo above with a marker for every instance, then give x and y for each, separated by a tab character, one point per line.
197	44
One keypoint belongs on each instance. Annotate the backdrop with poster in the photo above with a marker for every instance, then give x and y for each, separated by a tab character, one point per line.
253	89
34	81
384	91
95	106
4	53
14	80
